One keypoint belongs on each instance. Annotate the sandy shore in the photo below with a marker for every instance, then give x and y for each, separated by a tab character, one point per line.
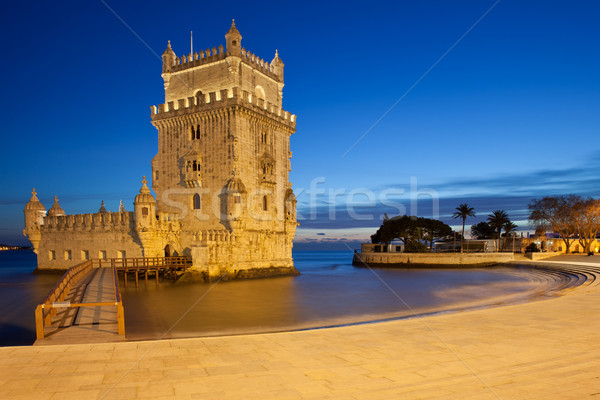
544	349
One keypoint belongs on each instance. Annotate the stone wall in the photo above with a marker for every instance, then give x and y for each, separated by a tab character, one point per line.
430	259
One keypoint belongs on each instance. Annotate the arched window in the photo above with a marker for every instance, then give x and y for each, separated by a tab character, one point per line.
265	203
197	131
196	201
193	133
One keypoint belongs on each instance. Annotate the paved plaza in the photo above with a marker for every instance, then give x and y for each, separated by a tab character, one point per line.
547	349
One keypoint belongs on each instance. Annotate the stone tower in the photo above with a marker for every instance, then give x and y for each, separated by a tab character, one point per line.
221	177
223	161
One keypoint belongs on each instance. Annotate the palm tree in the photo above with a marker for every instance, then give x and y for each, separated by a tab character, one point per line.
463	211
509	227
498	219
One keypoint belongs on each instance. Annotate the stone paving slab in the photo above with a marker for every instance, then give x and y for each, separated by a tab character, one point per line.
546	349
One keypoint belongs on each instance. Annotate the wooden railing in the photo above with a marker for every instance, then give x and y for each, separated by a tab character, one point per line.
144	265
146	262
56	298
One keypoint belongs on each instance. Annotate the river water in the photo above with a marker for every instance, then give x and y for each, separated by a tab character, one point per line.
329	292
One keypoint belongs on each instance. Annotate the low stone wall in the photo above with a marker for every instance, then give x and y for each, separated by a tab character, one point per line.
202	276
430	259
540	256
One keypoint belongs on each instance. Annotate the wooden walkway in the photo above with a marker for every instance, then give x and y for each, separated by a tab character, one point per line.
87	324
85	305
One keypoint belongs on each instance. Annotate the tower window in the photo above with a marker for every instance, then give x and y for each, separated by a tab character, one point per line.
237	199
196	201
68	256
265	203
102	254
52	255
144	210
234	42
85	255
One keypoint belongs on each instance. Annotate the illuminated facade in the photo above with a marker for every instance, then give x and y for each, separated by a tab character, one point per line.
221	176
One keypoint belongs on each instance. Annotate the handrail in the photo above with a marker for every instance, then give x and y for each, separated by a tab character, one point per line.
148	262
54	299
61	289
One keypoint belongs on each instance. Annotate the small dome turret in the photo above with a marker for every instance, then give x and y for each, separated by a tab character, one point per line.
144	196
277	66
233	186
233	40
102	208
34	203
168	58
144	208
56	209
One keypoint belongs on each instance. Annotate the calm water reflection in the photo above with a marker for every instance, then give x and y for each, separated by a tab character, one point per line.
330	291
20	292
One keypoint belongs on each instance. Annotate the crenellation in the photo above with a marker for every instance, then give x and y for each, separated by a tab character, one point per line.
83	222
224	97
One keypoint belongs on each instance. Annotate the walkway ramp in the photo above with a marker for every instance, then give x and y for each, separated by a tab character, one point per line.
84	307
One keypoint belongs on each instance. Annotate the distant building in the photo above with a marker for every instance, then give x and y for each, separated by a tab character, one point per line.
553	243
221	176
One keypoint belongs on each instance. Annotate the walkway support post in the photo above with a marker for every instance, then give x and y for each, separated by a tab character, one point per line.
121	318
39	322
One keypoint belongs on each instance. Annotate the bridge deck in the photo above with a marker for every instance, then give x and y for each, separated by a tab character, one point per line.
87	324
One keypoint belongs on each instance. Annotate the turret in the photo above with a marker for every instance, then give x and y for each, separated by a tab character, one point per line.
290	206
277	66
56	210
34	218
102	208
144	208
168	62
233	200
233	40
168	58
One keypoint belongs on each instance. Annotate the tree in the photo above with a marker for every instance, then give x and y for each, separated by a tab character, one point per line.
497	220
532	248
556	213
509	227
587	221
463	211
483	230
413	231
435	229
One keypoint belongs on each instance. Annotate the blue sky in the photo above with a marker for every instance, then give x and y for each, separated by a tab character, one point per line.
510	110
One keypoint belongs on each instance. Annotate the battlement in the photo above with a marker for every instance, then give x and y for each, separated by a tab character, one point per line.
222	98
109	221
216	54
